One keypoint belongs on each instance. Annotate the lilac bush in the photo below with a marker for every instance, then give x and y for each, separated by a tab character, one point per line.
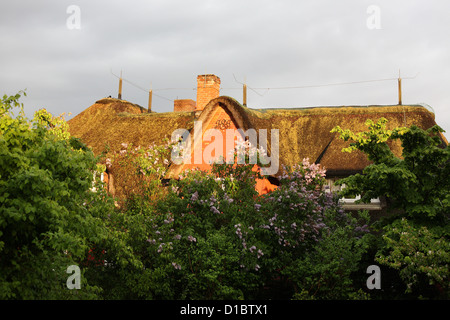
304	224
215	237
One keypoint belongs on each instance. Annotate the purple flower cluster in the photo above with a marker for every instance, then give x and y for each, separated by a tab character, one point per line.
169	220
214	210
162	245
361	230
194	196
212	202
298	206
259	253
238	230
253	249
227	198
306	173
176	265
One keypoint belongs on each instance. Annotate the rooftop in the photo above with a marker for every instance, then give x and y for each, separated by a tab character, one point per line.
303	132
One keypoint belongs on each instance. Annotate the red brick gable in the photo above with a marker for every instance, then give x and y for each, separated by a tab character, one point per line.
206	147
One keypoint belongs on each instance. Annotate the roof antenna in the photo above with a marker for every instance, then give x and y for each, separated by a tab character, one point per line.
399	88
244	93
400	96
150	94
244	84
120	86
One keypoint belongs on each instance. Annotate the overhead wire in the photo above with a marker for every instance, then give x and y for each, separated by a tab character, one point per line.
254	89
319	85
141	88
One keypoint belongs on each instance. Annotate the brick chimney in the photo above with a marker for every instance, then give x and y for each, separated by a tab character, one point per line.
208	88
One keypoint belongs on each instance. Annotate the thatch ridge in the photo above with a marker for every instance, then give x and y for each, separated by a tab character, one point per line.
232	106
303	132
113	122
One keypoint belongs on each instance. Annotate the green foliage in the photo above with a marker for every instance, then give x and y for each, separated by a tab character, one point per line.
373	141
138	173
416	238
421	256
417	182
191	246
49	217
208	236
55	125
208	239
316	246
211	235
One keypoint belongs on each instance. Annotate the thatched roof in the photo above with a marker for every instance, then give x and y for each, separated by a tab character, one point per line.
111	122
303	132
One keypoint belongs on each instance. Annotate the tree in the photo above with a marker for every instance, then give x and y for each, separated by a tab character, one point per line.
49	216
421	256
417	184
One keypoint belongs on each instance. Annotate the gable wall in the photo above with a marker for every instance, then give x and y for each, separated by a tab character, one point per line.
221	121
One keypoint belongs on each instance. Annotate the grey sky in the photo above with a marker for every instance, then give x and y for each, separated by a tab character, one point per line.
270	44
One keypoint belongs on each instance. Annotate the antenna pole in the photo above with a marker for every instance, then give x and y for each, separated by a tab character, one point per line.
399	89
245	95
120	86
150	94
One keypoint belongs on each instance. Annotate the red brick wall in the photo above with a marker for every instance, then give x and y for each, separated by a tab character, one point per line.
221	120
184	105
208	88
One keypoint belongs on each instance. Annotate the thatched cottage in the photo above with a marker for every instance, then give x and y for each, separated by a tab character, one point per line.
302	132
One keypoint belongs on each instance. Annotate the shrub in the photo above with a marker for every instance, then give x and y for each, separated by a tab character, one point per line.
214	237
49	216
415	238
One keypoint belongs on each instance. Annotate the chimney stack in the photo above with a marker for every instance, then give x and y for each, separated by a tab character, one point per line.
208	88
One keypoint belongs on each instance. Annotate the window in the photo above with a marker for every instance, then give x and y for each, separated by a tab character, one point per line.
350	203
102	177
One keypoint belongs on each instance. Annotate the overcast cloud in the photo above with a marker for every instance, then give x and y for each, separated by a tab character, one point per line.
271	44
